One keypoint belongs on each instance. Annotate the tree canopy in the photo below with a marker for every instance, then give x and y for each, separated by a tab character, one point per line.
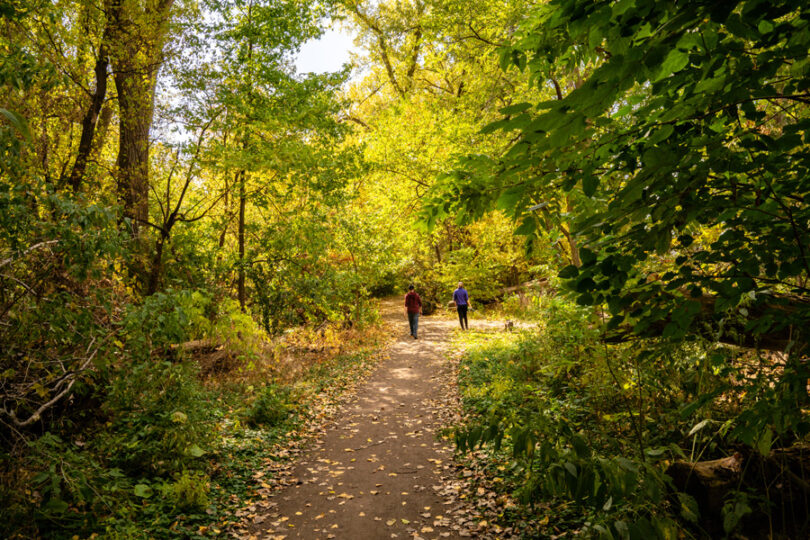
628	178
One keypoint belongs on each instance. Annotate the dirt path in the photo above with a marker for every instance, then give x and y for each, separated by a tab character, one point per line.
378	471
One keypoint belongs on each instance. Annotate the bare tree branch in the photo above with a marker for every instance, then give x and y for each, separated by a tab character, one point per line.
27	251
50	403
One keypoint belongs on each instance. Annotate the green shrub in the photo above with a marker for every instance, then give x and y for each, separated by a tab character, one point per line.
158	419
70	486
531	307
189	492
165	318
590	428
271	407
540	400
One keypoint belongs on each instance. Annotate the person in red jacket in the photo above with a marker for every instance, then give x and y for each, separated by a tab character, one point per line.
413	307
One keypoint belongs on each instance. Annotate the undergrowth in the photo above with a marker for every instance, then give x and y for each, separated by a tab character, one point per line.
169	451
584	432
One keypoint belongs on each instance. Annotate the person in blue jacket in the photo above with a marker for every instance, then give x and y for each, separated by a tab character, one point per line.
462	300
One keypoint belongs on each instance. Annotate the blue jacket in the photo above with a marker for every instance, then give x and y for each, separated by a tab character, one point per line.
460	297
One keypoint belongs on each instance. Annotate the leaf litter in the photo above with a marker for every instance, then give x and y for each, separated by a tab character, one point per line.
317	474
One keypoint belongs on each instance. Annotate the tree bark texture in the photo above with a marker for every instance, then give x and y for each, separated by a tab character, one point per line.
135	98
139	33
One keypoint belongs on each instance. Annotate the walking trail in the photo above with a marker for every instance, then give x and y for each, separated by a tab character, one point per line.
378	470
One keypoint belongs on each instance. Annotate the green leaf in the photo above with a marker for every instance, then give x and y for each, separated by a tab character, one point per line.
622	528
765	26
56	506
661	134
710	85
656	452
568	272
196	451
688	507
595	37
622	6
589	184
505	58
509	198
571	468
585	284
675	61
143	491
697	427
588	256
764	442
17	121
516	108
527	227
580	447
733	512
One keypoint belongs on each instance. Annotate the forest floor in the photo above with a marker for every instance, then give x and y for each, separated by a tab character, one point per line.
378	469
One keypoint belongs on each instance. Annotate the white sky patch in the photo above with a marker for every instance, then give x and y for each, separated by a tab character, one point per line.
327	53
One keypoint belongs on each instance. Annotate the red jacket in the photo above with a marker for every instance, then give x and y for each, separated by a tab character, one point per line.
413	302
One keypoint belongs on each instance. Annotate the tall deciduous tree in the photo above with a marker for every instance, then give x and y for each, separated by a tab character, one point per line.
274	122
136	40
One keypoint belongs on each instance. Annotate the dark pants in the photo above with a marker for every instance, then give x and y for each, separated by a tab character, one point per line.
413	321
462	315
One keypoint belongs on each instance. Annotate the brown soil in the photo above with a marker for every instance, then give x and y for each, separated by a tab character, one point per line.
379	470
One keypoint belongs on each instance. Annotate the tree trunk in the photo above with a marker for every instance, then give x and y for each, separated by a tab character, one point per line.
226	201
91	117
241	236
102	128
137	40
157	265
136	90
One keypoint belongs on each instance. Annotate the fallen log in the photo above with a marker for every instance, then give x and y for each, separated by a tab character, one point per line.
212	356
707	481
197	346
781	478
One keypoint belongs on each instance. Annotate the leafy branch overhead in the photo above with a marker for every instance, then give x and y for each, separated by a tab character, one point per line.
684	129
